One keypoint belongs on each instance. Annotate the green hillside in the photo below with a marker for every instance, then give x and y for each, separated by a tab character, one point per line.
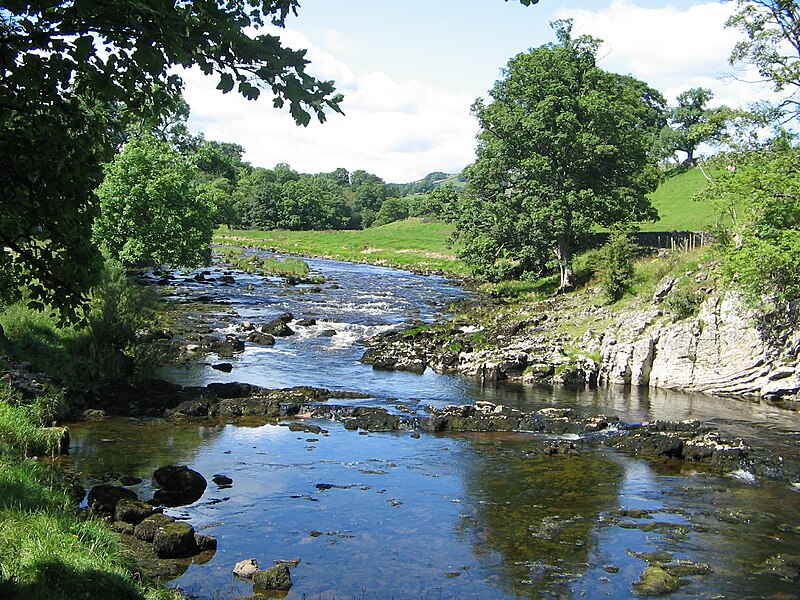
673	200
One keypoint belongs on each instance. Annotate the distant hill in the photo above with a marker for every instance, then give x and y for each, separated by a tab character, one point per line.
430	182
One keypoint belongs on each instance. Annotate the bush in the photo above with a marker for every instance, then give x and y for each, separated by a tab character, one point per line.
614	264
120	311
683	303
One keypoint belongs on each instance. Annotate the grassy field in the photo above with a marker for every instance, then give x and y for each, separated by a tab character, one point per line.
410	244
421	246
678	212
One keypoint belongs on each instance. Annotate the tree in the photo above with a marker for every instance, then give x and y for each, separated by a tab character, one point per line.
771	43
392	209
563	146
75	74
764	188
150	212
311	203
692	122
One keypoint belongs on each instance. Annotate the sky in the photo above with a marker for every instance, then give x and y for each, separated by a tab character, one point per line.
410	70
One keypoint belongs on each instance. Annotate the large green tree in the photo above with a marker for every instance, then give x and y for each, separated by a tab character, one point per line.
762	194
563	146
150	212
75	74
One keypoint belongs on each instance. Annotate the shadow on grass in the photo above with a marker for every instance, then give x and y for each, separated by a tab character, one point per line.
56	581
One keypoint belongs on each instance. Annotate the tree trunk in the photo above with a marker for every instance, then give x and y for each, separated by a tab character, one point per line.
564	257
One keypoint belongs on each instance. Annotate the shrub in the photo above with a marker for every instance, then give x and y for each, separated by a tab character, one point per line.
683	303
614	264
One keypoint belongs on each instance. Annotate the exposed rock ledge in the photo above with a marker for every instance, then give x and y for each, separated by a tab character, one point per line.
724	350
721	351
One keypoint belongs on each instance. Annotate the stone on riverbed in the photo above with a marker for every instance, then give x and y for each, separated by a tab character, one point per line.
246	568
146	530
133	511
180	479
103	498
174	540
655	581
278	327
274	578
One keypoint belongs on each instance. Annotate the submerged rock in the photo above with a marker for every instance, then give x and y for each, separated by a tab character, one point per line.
274	578
655	581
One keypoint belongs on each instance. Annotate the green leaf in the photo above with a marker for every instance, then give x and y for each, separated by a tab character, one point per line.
225	83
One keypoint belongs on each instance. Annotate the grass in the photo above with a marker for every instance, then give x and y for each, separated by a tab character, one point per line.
50	551
48	548
412	244
673	200
291	268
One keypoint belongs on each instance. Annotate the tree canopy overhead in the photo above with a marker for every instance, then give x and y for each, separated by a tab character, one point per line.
75	74
123	51
563	146
771	43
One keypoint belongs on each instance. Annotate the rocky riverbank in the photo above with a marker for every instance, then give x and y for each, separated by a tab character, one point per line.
722	348
557	430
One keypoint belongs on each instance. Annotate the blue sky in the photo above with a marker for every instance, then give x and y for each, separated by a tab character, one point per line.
410	69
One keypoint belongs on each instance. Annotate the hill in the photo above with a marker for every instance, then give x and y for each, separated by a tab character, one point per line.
673	200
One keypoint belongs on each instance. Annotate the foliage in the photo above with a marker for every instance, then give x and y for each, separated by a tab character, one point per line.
615	263
105	344
692	122
440	203
124	52
75	75
764	257
392	209
563	146
50	552
683	302
771	43
150	212
120	311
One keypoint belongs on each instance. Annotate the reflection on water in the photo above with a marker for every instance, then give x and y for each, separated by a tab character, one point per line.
445	516
467	516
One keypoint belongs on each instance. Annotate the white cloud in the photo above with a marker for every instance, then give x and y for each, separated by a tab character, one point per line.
671	49
403	129
398	130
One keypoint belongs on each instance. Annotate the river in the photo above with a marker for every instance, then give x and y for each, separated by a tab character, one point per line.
472	516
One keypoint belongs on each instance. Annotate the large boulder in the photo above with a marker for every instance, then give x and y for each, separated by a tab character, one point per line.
179	485
103	498
174	540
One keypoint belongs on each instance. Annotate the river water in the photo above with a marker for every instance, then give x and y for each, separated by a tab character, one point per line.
472	516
